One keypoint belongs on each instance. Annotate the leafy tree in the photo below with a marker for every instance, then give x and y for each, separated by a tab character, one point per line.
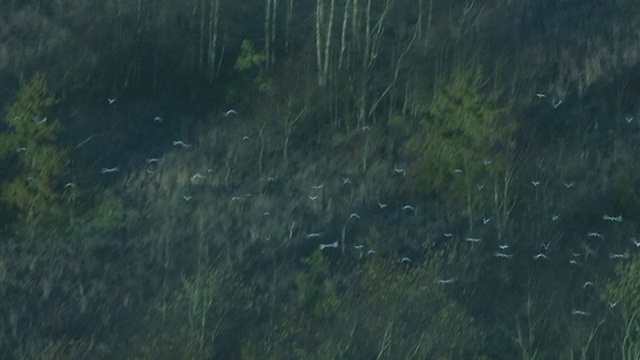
29	143
464	140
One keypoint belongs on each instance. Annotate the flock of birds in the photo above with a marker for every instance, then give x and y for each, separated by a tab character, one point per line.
503	250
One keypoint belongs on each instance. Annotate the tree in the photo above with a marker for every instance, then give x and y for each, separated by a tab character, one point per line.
29	143
465	141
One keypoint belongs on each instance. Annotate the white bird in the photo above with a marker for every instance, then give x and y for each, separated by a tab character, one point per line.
187	197
541	95
587	283
556	103
546	245
332	245
111	101
366	128
535	183
458	171
317	187
502	255
579	312
628	119
381	205
399	171
618	256
266	213
371	252
448	235
540	255
197	176
41	121
473	240
234	198
569	185
354	215
358	247
313	235
314	198
69	185
635	242
230	112
157	119
486	162
503	246
21	149
480	187
445	281
612	218
181	143
110	170
554	217
485	221
594	234
612	304
408	208
152	160
346	181
245	138
405	260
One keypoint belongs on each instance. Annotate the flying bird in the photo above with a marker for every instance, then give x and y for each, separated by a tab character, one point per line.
230	112
111	101
181	143
332	245
110	170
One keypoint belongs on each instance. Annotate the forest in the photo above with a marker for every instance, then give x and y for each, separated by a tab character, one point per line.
319	179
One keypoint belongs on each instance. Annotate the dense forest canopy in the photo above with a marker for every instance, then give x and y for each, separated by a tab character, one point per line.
319	179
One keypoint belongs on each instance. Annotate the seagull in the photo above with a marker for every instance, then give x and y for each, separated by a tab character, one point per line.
313	235
187	198
157	119
152	160
408	207
458	171
110	170
111	101
22	149
332	245
541	95
448	235
445	281
358	247
313	198
587	283
405	260
635	242
486	162
230	112
245	138
197	176
612	304
579	312
612	218
473	240
535	183
503	246
235	198
618	256
181	143
266	213
371	252
485	221
480	187
366	128
546	245
554	217
594	234
540	255
354	215
317	187
399	171
556	103
569	185
502	255
628	119
381	205
41	121
346	181
69	185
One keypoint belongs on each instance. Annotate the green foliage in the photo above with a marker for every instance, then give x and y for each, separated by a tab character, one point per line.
30	144
249	58
466	126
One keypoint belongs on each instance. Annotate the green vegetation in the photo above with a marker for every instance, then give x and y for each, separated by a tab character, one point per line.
377	192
